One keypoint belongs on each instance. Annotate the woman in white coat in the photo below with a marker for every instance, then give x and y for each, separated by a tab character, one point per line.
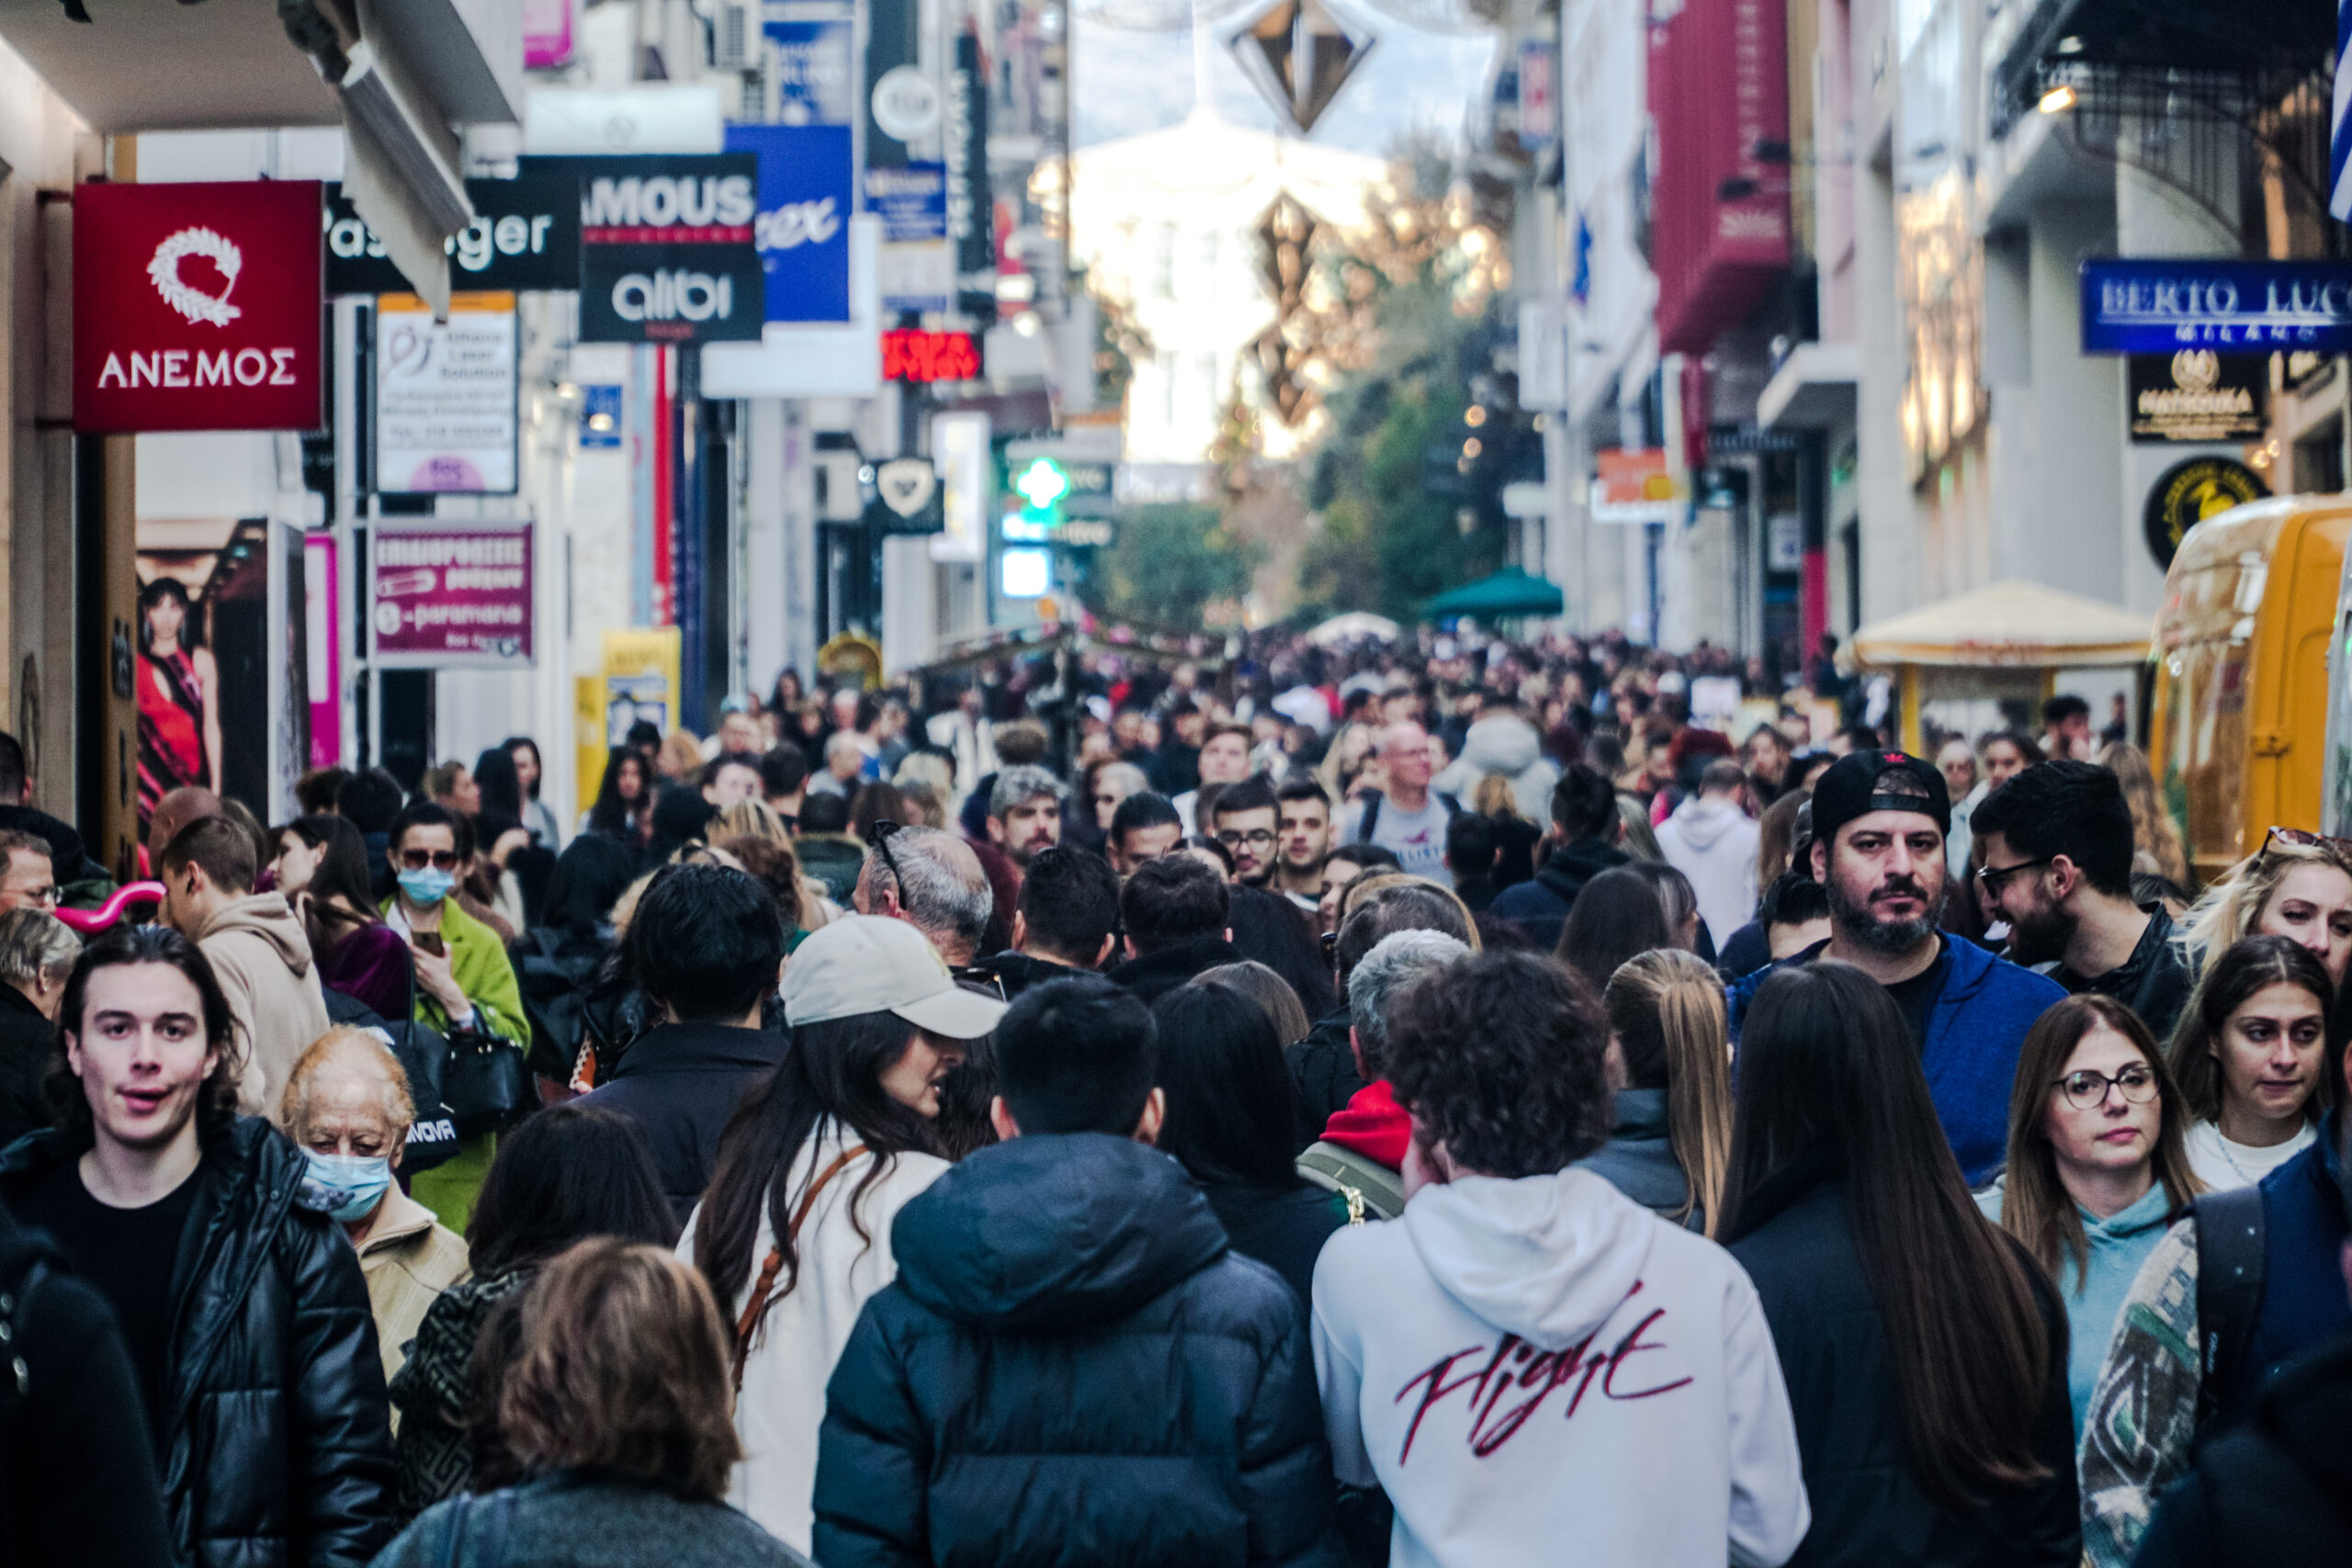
794	1234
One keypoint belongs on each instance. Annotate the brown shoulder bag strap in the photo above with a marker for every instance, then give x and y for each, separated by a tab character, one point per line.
775	1264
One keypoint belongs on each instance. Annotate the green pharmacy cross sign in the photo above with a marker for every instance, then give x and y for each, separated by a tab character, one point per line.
1042	484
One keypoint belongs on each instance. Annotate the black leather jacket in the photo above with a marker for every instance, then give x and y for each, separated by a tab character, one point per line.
277	1450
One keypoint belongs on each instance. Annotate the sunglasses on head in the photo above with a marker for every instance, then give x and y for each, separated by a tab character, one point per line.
439	859
2304	841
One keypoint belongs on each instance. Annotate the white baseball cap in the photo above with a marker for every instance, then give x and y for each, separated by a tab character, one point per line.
864	963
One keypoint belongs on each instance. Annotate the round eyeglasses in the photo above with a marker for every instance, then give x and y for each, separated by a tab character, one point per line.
2086	1090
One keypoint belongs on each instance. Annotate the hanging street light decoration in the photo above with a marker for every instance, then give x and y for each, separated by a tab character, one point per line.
1298	55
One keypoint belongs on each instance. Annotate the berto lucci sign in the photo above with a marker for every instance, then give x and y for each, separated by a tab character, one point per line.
2134	305
198	306
665	250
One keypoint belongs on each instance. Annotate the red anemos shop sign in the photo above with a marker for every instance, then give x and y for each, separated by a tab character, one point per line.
198	306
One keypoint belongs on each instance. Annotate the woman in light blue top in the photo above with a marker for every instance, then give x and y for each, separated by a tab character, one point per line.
2096	1165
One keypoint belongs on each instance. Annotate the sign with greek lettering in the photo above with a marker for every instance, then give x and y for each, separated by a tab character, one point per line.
445	595
807	193
665	249
2136	305
445	396
198	306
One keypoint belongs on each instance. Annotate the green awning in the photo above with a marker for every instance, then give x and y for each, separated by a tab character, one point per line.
1508	592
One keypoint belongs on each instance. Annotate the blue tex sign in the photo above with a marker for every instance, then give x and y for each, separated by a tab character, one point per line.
2147	305
806	196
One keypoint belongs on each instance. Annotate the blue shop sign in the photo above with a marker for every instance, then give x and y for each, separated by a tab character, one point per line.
807	193
911	202
2146	305
814	83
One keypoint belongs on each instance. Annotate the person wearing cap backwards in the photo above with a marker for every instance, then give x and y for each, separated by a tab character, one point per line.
794	1233
1879	819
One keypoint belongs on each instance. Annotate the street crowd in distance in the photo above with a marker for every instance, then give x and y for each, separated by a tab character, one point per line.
1429	1102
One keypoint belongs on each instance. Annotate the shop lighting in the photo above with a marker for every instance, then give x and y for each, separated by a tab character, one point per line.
2059	100
1473	446
1473	416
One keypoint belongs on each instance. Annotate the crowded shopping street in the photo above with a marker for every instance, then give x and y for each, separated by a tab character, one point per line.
1166	783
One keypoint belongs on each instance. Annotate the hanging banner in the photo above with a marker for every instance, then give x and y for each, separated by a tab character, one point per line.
640	680
198	306
323	645
2147	305
525	235
916	268
449	595
801	231
665	249
970	205
445	396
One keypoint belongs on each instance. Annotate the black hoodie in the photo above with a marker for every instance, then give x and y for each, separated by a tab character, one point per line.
1073	1367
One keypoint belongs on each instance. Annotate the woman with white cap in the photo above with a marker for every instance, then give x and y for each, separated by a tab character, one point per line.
794	1233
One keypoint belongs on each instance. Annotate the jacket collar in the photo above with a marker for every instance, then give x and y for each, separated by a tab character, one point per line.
400	1218
2125	978
1641	1113
1183	958
699	1048
1785	1187
15	1000
1577	862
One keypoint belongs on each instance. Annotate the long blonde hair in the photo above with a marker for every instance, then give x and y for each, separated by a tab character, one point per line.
2153	833
1494	797
1666	1007
2227	911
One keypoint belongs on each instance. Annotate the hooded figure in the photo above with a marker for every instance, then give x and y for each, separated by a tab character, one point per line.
1504	743
1513	1361
1712	840
262	957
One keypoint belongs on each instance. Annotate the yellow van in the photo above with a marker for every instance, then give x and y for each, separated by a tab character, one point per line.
2242	705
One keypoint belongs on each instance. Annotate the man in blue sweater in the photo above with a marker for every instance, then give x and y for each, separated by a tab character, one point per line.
1879	820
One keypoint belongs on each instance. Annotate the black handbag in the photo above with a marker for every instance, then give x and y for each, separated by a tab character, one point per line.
484	1079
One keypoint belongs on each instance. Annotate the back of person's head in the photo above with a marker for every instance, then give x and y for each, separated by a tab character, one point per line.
1665	1011
1793	899
1138	811
1382	907
748	818
500	784
707	942
1365	858
681	815
1584	804
1721	776
1229	1119
875	802
622	1372
1396	965
1022	744
1676	896
2251	966
588	879
12	768
2063	707
1828	1071
776	869
940	888
1470	845
369	800
1077	1056
36	947
783	771
220	848
314	792
1617	914
1776	838
1271	993
2065	807
1278	935
824	814
1500	1057
1069	904
1171	899
568	1173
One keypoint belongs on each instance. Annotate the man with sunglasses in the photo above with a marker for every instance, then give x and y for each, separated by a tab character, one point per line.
2057	843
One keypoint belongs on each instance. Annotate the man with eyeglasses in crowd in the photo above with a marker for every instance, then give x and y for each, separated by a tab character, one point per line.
30	883
1245	816
2057	844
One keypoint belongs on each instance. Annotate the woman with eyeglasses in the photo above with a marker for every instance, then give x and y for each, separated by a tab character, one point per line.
2096	1167
2297	884
2250	1056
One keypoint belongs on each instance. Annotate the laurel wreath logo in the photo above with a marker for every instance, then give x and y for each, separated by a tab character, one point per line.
193	303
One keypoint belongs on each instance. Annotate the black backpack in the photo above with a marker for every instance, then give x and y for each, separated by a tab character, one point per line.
2230	1271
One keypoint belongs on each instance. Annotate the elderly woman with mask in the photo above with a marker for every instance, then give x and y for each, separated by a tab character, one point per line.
348	1105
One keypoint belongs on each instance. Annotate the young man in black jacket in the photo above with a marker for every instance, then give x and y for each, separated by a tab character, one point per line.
242	1305
1073	1366
707	944
1583	841
1063	924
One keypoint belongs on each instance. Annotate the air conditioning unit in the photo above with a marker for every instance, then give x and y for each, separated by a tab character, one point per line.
735	35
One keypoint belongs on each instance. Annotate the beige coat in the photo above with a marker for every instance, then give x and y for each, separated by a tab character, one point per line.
409	1259
263	961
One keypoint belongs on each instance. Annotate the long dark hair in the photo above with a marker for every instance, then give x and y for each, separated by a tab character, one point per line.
501	786
343	872
611	814
216	1102
2255	964
832	1070
1228	1094
1617	914
514	743
1827	1072
568	1173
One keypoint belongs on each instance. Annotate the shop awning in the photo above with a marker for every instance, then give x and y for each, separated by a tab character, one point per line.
2008	625
1507	593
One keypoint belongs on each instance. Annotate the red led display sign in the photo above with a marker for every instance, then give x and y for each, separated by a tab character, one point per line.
909	354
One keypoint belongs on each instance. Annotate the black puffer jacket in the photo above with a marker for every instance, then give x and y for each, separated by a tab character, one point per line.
1797	1245
279	1447
1073	1367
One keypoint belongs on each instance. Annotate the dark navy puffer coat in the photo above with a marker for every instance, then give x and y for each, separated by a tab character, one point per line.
1073	1367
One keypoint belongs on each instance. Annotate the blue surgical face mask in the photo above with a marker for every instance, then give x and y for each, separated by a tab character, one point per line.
427	886
344	1187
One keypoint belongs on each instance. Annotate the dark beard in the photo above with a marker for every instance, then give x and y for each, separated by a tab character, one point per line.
2038	943
1857	924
